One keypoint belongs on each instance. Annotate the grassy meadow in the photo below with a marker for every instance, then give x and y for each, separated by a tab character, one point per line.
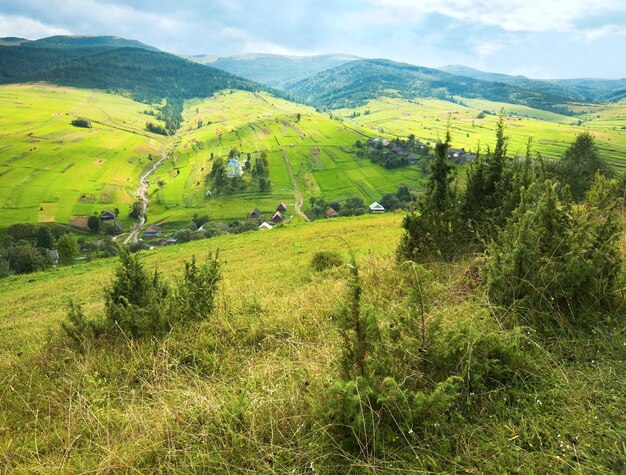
53	171
552	133
244	391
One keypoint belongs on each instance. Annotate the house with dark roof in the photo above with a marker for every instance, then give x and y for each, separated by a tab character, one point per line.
107	215
152	232
254	214
282	207
277	218
331	213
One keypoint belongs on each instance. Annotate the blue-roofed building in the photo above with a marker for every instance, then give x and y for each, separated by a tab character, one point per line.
233	168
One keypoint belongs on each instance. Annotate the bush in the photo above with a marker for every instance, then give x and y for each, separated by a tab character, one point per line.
555	258
198	289
136	302
323	260
81	122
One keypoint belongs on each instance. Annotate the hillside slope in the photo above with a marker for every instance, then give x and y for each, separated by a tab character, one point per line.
249	388
146	74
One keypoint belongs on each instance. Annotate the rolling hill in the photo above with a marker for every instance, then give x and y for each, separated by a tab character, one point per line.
146	74
275	70
86	41
354	83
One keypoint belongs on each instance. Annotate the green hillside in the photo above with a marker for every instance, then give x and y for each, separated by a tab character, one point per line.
317	150
355	83
552	133
51	171
47	168
142	73
247	389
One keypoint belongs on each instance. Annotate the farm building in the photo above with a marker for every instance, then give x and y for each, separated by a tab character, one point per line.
233	168
170	241
376	207
282	207
265	225
107	215
254	214
278	217
152	232
331	213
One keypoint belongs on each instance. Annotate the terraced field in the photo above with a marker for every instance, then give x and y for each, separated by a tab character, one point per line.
53	171
319	150
552	133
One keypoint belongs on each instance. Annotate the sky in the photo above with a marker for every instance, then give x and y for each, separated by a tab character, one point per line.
535	38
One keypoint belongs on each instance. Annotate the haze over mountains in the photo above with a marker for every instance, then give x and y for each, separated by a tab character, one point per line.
330	81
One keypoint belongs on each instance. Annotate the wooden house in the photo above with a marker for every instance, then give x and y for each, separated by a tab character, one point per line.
376	208
152	232
331	213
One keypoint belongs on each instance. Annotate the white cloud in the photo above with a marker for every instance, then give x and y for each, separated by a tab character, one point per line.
511	15
23	27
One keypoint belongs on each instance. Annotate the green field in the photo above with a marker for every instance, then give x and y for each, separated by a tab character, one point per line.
552	133
319	149
53	171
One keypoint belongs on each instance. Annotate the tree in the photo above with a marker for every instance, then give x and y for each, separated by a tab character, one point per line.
24	259
390	202
579	164
44	238
22	231
93	223
434	232
298	117
137	210
68	249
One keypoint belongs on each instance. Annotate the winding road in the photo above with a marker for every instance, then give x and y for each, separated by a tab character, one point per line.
142	193
296	191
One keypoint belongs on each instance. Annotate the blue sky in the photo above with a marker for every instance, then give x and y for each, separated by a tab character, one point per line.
537	38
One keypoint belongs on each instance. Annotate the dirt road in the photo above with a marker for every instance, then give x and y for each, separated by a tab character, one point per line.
296	191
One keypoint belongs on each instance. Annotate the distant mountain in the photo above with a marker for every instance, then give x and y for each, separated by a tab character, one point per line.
576	89
12	41
145	74
546	87
596	89
354	83
86	41
275	70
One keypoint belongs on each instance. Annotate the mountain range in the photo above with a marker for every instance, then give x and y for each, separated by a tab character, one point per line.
327	81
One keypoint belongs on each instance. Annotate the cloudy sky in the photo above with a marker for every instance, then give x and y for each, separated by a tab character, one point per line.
537	38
